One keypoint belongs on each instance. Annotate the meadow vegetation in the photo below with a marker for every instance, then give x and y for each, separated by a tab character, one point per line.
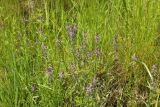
79	53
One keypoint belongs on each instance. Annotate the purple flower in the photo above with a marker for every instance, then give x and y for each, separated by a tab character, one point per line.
92	86
97	38
90	89
72	35
44	46
97	52
72	30
49	72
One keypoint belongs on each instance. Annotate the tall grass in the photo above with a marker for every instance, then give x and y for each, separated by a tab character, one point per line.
79	53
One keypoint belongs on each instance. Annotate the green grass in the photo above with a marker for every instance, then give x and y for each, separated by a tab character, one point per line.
35	41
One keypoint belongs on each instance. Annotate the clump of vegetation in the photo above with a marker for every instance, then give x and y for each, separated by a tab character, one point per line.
76	53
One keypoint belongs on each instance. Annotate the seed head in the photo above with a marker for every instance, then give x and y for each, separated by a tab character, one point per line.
59	42
34	87
61	75
85	34
31	4
135	58
155	68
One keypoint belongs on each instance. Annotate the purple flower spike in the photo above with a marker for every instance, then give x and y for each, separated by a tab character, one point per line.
97	38
97	52
49	72
44	46
72	67
71	33
72	30
92	86
90	89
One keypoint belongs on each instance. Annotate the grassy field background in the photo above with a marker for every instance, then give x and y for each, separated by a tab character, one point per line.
79	53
